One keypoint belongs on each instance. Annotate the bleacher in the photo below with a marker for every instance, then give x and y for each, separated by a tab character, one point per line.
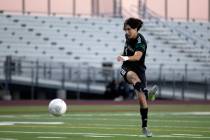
92	41
71	40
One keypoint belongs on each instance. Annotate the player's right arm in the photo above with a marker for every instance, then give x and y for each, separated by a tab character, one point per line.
137	56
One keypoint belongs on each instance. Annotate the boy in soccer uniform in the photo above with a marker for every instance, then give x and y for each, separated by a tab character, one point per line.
133	67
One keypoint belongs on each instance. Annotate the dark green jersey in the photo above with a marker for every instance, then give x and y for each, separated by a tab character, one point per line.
133	45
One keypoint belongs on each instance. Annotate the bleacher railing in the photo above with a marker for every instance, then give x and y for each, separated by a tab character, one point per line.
173	83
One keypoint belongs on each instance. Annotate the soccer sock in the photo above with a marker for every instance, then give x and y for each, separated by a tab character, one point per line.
146	93
144	112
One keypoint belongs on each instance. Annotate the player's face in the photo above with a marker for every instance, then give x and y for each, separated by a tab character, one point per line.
130	32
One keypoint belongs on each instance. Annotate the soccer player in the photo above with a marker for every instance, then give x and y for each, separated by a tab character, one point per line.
133	67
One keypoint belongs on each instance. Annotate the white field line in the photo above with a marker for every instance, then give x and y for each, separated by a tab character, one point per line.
191	113
137	125
114	114
104	119
111	128
7	139
187	135
36	123
98	136
67	133
135	120
181	121
118	126
51	137
137	114
7	116
105	134
89	117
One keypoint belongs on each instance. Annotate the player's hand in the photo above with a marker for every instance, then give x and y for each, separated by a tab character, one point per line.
122	58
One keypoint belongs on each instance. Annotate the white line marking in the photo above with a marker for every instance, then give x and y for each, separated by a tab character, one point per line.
135	120
50	123
137	125
190	113
72	126
113	114
137	114
38	123
67	133
98	136
51	137
7	139
181	121
103	114
35	115
101	134
187	135
6	123
7	116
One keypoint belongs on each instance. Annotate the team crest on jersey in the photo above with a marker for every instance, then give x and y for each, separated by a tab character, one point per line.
139	40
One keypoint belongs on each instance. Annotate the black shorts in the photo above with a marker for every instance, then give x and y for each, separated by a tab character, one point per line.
140	71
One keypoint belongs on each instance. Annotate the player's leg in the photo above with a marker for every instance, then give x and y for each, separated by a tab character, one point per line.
139	87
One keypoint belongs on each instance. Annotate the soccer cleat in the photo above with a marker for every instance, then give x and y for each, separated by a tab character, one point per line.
146	132
152	93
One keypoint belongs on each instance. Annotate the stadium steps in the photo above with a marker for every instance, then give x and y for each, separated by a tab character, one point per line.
90	41
175	39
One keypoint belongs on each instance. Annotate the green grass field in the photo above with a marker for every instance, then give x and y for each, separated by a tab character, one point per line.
111	122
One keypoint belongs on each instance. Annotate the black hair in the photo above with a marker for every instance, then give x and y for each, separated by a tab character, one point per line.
133	23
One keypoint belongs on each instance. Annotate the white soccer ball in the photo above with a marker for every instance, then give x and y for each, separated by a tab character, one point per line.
57	107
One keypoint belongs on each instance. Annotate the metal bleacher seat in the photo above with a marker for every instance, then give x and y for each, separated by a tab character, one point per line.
95	40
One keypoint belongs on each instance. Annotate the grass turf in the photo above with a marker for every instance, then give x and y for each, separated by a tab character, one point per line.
112	122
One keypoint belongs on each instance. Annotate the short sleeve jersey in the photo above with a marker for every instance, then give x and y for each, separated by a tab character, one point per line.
133	45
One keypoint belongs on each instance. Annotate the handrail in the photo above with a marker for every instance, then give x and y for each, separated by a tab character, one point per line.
154	15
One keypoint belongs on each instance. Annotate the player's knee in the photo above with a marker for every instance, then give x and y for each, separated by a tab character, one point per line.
139	87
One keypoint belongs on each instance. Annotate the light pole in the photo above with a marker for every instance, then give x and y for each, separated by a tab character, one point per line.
74	8
209	10
166	9
23	7
188	10
49	7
